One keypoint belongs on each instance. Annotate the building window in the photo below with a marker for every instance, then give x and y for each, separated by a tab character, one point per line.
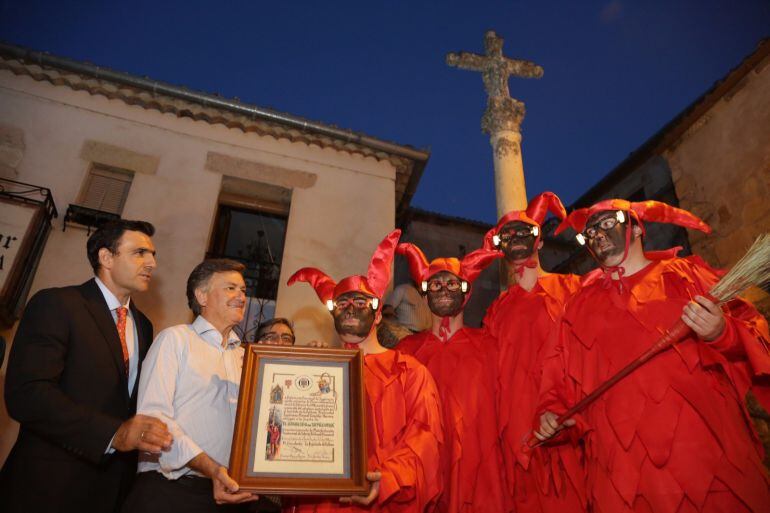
254	238
102	197
106	189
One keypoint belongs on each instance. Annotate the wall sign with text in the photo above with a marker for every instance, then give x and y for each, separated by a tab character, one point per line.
24	228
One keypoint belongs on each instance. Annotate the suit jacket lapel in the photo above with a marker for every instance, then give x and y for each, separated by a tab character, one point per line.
143	338
143	341
97	307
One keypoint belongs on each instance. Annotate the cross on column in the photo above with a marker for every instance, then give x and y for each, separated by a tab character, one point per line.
503	117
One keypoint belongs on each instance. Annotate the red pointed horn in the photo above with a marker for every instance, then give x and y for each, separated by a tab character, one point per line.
489	244
658	212
418	264
542	204
575	220
476	261
378	275
320	281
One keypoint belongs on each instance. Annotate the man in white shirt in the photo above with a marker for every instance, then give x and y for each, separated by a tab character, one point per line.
190	381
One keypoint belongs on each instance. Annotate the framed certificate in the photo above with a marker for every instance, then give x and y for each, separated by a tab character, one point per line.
300	426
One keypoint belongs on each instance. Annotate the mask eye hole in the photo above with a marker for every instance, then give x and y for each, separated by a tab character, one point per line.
520	233
605	225
359	303
450	285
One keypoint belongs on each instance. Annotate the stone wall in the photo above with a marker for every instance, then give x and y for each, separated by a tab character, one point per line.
11	150
721	172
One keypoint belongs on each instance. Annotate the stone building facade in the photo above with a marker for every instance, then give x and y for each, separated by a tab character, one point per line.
192	163
720	164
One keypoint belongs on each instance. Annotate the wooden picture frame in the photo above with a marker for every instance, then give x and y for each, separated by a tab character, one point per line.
300	424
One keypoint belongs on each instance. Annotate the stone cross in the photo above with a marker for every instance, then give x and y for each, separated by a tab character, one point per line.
503	117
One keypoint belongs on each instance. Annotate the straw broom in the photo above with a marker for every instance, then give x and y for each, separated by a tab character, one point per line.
753	269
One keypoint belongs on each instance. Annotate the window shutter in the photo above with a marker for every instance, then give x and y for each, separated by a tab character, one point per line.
106	189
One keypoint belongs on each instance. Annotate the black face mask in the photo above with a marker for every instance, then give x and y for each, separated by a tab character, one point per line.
364	318
518	248
445	303
611	243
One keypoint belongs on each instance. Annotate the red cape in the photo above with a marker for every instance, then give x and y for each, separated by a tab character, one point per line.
464	370
674	436
550	479
404	434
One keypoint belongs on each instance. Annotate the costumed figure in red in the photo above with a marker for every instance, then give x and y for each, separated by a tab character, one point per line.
550	479
673	436
404	431
462	361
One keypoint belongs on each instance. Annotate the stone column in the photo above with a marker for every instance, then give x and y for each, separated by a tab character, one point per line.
502	121
510	189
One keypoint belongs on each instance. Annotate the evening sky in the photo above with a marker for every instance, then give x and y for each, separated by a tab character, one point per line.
615	71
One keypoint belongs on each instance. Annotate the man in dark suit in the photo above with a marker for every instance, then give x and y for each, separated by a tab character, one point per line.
71	384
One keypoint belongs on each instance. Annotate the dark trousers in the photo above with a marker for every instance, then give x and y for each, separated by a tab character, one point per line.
42	477
153	493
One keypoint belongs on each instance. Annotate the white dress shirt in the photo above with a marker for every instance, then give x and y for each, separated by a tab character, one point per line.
190	382
132	338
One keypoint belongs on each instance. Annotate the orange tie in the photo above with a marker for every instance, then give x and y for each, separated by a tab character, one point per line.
122	311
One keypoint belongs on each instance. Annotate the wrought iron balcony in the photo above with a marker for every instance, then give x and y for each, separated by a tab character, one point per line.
88	217
27	193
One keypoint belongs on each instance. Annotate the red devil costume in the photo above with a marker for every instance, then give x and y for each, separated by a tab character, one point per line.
463	366
550	479
403	414
674	435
